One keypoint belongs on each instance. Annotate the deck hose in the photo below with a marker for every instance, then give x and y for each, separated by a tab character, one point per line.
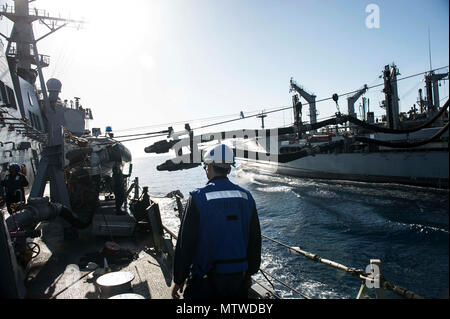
41	209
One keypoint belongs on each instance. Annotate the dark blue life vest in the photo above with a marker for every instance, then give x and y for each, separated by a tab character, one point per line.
14	187
225	211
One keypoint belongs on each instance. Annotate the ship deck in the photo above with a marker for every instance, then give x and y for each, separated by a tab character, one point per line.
58	272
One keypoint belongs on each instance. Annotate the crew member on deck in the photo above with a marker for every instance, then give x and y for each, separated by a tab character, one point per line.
119	188
219	242
12	186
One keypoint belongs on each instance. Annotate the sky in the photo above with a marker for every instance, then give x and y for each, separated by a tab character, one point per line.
141	63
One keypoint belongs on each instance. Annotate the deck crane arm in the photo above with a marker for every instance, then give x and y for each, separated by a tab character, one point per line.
310	98
352	99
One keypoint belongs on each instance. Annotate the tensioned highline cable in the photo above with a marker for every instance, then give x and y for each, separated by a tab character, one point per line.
114	141
409	91
322	100
141	134
141	138
180	122
269	111
164	131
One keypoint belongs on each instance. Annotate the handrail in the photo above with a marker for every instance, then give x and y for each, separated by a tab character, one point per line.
366	277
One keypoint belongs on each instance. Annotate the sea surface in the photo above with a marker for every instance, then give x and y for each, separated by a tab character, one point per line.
406	227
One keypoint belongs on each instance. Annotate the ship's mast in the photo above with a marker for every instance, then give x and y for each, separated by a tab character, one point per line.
391	96
22	55
22	50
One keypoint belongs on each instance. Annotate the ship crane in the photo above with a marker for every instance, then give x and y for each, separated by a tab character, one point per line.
432	86
352	100
310	98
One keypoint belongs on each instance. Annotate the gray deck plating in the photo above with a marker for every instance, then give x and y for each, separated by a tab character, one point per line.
55	273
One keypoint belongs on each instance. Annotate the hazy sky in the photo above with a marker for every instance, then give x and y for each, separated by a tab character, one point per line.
140	63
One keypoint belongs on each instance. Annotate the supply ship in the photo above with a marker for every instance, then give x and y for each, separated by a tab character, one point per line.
407	148
70	239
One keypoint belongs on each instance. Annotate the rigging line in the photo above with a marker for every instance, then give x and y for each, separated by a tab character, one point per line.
181	122
64	60
228	121
270	110
410	90
321	100
67	58
149	133
262	272
374	81
57	64
57	61
67	62
286	285
267	289
141	138
166	124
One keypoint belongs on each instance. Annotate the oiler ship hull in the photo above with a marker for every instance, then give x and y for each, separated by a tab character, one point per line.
422	168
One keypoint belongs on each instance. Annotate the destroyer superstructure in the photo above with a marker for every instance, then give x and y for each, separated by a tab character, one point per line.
47	136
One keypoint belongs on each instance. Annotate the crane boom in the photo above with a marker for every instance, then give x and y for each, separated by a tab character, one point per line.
352	100
310	98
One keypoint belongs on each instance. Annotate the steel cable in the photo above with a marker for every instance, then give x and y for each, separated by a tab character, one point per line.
274	110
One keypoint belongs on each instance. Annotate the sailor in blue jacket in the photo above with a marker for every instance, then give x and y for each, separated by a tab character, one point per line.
13	184
219	241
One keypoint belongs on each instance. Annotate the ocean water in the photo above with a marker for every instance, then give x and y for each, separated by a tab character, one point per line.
407	228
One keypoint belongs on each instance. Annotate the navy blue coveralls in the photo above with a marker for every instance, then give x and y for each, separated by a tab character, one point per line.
118	185
219	242
14	189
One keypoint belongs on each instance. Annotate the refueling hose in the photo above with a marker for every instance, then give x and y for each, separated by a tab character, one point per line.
40	209
399	131
339	119
402	144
